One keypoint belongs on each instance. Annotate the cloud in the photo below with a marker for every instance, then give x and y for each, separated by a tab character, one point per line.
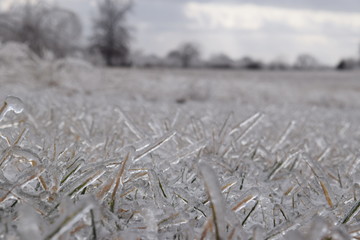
252	17
6	4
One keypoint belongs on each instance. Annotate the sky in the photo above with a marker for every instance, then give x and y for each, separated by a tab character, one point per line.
263	29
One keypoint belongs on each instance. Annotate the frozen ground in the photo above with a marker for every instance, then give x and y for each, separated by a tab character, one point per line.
92	153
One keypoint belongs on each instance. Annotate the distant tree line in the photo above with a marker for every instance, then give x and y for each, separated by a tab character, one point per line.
187	55
46	28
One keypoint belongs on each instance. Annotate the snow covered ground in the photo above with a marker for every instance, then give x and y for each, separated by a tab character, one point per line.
93	153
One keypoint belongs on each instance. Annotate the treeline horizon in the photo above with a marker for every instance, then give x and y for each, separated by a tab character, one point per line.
47	28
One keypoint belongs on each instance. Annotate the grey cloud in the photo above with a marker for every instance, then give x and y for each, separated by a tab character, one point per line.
332	5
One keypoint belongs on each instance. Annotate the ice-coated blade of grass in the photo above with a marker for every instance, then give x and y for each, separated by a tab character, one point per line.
158	188
197	128
291	225
94	233
88	180
21	136
217	202
247	197
220	138
322	179
70	219
356	191
130	124
155	145
278	210
175	119
224	188
324	154
326	188
280	165
191	201
2	110
72	170
119	177
258	118
251	122
283	137
250	212
167	221
352	212
225	124
183	153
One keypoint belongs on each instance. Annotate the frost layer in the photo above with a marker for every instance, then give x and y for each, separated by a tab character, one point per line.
89	153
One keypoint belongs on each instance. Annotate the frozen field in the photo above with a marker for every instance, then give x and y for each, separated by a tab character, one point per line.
90	153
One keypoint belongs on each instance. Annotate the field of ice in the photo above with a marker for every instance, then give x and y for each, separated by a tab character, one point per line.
95	153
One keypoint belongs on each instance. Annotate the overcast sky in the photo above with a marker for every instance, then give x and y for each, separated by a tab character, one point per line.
263	29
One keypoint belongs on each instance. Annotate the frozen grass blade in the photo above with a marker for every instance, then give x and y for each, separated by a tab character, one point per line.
119	176
283	137
353	211
291	225
326	193
258	118
252	122
247	197
320	175
282	164
72	170
93	225
155	145
68	221
216	199
130	124
248	215
324	154
87	182
185	152
223	189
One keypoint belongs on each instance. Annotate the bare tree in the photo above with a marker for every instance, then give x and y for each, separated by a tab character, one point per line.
187	53
279	63
42	27
220	60
111	34
306	62
249	63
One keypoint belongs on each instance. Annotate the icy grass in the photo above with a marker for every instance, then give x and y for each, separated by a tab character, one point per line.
99	154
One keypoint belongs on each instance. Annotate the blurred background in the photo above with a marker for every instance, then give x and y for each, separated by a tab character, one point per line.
233	34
